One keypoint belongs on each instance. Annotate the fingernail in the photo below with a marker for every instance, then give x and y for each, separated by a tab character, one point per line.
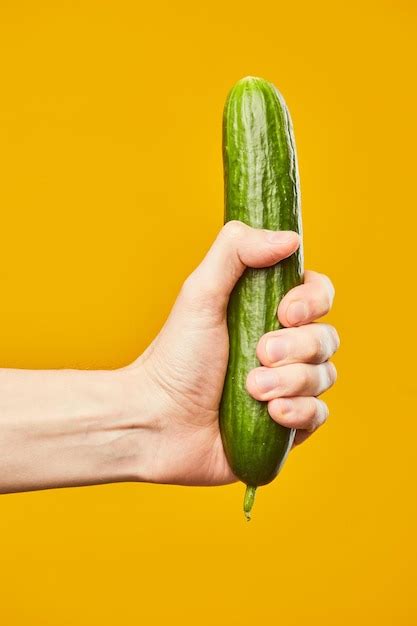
297	312
280	236
266	380
276	349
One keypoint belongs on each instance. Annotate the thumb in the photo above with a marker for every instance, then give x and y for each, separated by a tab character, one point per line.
236	247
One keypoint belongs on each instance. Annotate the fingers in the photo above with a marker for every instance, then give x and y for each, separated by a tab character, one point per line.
308	301
313	343
237	246
300	413
296	379
296	366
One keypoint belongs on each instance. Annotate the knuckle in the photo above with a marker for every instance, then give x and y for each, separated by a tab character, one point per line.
326	411
233	229
329	287
331	372
311	410
325	343
322	411
304	377
319	304
317	349
308	414
335	337
325	303
316	416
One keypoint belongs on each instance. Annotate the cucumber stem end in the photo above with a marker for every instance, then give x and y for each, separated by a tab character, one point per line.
248	501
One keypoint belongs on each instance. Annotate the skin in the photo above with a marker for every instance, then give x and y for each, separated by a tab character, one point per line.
156	420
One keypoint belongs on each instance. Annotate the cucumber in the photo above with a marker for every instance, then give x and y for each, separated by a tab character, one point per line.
261	185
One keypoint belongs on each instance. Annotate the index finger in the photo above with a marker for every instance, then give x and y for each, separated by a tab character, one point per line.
307	302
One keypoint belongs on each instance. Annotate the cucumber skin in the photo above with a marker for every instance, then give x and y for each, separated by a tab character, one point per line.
262	190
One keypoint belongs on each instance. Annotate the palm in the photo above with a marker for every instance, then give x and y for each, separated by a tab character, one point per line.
188	361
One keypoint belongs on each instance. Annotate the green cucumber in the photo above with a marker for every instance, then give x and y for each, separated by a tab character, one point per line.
262	190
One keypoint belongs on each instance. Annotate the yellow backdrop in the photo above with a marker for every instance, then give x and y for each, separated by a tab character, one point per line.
111	192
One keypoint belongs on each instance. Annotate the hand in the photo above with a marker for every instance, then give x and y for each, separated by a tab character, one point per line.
183	370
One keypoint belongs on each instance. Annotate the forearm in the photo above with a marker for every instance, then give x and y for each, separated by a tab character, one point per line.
61	428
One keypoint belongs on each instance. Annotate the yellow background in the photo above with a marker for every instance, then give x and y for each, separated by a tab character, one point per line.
110	193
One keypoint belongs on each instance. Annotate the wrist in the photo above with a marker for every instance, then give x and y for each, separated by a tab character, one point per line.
133	426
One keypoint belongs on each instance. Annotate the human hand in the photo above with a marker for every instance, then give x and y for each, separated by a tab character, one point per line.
182	371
